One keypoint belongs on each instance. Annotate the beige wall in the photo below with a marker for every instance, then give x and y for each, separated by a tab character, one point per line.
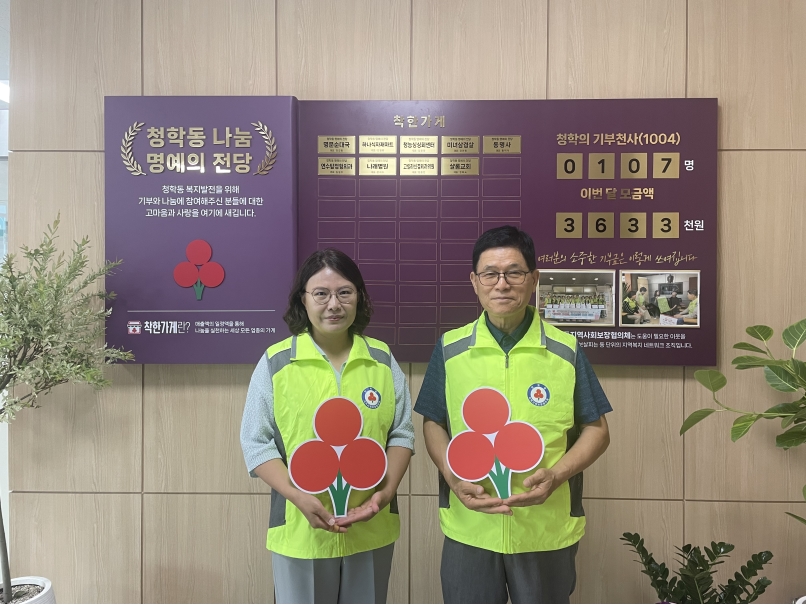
139	493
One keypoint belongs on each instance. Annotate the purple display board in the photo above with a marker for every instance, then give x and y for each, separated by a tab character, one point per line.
617	194
201	207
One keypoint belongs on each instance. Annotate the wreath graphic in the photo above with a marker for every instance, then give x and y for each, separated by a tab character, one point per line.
126	150
338	460
271	148
136	169
493	446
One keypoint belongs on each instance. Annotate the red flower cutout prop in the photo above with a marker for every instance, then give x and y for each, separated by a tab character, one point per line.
338	460
198	271
493	446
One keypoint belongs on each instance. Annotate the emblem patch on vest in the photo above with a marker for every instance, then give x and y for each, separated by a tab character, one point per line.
371	398
538	394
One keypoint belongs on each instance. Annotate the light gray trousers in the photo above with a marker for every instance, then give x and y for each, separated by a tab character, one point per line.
358	578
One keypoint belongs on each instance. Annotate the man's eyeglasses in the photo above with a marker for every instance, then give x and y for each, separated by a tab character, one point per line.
321	296
513	278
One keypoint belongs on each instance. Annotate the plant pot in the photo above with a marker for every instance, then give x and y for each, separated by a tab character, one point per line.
46	596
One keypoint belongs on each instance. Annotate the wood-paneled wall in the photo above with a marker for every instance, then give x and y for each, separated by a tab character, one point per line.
138	493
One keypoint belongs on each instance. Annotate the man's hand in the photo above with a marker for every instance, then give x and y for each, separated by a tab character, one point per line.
316	514
475	498
365	512
539	487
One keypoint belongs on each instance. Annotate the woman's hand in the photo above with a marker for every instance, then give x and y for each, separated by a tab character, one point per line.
397	463
316	514
366	511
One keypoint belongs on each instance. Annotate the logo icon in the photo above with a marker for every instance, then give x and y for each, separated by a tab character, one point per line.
339	459
134	327
494	446
538	394
371	398
198	271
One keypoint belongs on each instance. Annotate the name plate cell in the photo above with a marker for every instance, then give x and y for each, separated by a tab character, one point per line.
421	144
502	144
336	166
419	166
377	166
376	143
454	166
468	145
335	144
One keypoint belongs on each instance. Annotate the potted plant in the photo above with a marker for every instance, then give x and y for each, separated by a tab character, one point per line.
51	332
787	375
694	581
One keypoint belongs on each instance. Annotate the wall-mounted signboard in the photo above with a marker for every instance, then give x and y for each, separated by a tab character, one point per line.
619	196
201	208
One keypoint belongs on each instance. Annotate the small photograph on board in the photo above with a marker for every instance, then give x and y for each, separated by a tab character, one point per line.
669	299
576	298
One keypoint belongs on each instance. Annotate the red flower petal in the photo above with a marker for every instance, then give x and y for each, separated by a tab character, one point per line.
338	421
211	274
519	446
186	274
198	252
313	466
485	411
470	456
363	463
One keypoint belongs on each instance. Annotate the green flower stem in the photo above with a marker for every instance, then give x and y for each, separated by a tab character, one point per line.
199	288
500	476
339	494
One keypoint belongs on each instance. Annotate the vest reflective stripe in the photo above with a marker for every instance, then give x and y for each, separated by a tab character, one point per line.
302	379
561	349
546	356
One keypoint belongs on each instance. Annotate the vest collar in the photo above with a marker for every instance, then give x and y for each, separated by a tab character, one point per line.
303	347
535	336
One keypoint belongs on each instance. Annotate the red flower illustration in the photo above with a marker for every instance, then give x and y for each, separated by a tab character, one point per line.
198	271
338	460
493	446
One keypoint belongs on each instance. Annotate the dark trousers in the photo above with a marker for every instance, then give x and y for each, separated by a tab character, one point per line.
475	575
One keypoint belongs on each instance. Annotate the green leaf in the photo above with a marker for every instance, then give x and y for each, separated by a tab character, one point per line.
784	409
779	379
797	418
741	425
804	492
799	370
795	334
746	346
696	417
760	332
791	438
713	380
751	361
794	516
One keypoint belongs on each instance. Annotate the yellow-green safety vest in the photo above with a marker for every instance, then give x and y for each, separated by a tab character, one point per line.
542	363
632	304
302	379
